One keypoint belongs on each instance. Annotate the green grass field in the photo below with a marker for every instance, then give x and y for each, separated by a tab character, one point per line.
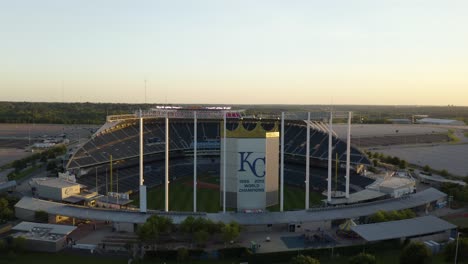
208	200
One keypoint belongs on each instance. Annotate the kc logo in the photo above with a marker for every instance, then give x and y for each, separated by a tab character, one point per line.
251	164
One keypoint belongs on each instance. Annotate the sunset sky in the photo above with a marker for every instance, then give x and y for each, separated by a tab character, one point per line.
235	52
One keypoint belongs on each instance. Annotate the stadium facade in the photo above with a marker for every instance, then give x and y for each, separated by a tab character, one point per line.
193	133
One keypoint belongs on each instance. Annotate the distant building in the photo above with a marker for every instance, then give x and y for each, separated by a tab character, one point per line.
395	184
436	121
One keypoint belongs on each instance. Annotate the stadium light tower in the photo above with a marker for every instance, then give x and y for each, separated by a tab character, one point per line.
330	149
282	165
224	162
348	154
195	161
307	162
166	173
142	186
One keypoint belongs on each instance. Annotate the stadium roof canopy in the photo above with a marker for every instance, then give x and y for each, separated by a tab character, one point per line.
403	228
313	215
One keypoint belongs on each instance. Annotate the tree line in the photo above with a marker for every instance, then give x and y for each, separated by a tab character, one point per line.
95	113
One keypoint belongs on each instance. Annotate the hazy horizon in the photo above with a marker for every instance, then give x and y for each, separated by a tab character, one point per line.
235	52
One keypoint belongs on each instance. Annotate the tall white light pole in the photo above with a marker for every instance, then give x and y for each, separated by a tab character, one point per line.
330	150
142	186
166	178
456	248
195	140
348	154
282	165
224	162
307	162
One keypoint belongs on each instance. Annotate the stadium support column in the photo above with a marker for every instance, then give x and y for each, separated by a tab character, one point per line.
224	162
348	154
307	163
282	165
166	174
142	186
330	150
195	161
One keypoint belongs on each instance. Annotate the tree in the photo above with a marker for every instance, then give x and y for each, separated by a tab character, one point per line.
363	258
403	164
201	237
5	212
444	173
301	259
187	226
449	250
415	253
150	231
230	232
375	162
378	217
51	165
19	244
427	168
182	255
3	245
408	214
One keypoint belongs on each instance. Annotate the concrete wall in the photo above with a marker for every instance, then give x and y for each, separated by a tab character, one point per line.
45	246
24	214
123	227
48	192
300	227
272	169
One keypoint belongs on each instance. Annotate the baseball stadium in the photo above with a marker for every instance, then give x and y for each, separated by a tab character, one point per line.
116	142
285	170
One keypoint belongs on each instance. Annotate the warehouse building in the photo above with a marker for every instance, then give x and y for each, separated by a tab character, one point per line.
43	237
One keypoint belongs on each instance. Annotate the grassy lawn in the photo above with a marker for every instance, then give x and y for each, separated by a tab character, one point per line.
466	134
294	199
208	200
181	197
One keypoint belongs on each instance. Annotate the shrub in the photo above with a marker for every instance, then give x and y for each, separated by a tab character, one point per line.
302	259
415	253
182	255
449	250
363	258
